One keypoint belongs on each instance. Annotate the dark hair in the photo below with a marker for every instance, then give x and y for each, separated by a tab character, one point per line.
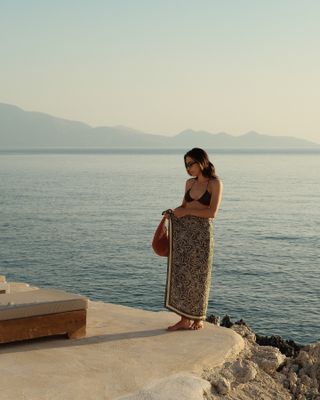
201	157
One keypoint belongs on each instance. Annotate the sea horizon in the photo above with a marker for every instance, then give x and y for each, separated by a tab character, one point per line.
153	150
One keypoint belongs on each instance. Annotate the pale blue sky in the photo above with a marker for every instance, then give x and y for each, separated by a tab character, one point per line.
167	65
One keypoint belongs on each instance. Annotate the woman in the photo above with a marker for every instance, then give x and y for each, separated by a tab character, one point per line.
191	242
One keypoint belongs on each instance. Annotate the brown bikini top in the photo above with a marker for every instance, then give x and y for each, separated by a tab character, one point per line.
204	199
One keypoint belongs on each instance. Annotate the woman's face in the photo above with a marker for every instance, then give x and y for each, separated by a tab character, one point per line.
192	167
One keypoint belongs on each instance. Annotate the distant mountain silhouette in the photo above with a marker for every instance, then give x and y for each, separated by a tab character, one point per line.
25	129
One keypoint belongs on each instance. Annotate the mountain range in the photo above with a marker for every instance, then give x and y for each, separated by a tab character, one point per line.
26	129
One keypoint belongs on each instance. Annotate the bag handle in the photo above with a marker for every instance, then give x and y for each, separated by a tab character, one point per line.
169	211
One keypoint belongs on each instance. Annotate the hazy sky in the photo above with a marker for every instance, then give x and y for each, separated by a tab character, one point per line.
162	66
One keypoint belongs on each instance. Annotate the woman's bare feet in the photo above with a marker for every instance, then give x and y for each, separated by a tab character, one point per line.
183	324
197	324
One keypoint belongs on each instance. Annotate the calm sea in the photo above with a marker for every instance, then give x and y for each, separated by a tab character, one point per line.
83	221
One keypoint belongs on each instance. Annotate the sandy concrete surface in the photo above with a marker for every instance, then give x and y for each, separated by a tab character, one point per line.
127	352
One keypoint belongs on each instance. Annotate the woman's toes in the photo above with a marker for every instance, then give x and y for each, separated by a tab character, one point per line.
196	325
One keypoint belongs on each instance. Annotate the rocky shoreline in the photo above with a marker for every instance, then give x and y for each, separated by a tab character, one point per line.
267	368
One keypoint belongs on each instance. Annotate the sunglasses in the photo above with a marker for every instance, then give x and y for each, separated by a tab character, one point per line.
190	164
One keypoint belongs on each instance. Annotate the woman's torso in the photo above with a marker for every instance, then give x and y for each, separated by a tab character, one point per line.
198	196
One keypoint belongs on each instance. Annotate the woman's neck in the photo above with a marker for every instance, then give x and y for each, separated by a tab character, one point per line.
202	179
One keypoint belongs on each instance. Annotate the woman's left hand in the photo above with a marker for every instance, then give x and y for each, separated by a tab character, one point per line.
179	212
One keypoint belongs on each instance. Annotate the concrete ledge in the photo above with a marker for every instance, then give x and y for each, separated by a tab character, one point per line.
126	351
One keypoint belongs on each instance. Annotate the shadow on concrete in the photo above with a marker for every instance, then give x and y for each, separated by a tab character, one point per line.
60	341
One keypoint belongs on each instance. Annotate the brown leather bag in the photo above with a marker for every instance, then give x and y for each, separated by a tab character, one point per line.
160	242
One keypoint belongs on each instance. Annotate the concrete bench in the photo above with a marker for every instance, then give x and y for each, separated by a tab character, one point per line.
42	312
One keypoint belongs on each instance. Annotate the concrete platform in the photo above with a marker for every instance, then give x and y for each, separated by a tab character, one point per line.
127	354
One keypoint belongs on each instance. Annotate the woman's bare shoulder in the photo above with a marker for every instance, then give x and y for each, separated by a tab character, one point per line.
189	182
215	183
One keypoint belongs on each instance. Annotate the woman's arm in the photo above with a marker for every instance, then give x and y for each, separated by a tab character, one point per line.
212	210
184	203
187	186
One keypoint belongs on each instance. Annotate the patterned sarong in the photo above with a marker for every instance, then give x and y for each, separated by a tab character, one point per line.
189	265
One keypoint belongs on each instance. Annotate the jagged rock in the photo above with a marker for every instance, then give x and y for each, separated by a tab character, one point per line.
227	372
244	371
307	381
268	358
303	373
281	378
294	368
264	372
214	319
244	331
226	321
223	386
241	322
179	386
292	380
287	347
301	397
303	359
